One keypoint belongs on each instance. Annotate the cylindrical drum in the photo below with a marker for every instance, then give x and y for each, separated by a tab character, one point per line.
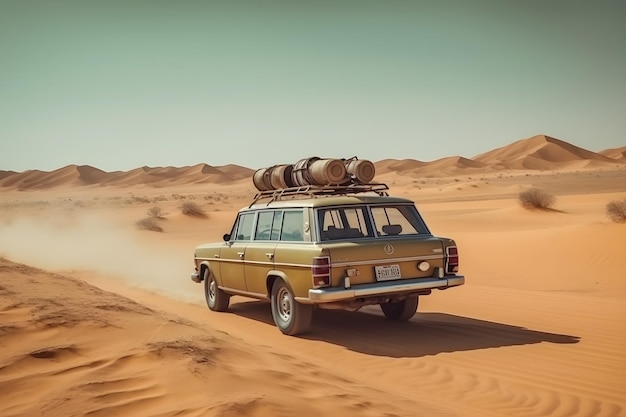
300	174
327	171
362	171
280	176
261	179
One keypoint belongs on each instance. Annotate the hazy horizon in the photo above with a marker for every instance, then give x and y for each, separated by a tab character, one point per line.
119	85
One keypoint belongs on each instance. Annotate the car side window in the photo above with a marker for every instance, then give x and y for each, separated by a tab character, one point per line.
292	226
244	226
278	217
344	223
264	225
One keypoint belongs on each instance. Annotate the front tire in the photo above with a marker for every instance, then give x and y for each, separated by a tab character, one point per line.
290	316
216	299
402	310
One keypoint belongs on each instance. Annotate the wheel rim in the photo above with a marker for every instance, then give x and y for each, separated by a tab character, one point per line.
283	306
212	290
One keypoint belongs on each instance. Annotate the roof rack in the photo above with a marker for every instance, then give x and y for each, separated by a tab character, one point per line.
312	191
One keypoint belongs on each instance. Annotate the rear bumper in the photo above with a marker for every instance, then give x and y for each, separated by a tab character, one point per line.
329	295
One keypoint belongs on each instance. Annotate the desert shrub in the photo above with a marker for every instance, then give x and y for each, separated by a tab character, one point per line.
535	198
155	212
137	200
192	209
616	210
149	223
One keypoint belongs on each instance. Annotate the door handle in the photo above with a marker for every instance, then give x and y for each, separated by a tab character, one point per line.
240	254
270	255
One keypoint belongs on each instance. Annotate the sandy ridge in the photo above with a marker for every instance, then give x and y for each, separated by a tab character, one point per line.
536	153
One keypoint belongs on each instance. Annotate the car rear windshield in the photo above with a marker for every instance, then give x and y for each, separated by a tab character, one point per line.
369	221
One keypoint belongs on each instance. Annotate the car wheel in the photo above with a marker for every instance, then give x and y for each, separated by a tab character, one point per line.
216	299
401	310
290	316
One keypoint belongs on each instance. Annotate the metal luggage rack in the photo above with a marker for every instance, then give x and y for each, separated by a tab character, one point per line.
313	191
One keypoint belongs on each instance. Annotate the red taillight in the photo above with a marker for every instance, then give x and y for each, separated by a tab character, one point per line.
320	270
452	260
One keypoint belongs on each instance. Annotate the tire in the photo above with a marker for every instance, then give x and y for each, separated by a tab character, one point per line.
290	316
216	299
401	310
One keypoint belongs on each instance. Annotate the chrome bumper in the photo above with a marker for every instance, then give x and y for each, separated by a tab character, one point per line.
329	295
195	277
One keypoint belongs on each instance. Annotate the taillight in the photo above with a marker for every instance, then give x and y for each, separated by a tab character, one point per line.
452	260
320	270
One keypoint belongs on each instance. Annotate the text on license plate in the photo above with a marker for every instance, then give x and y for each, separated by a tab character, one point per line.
387	272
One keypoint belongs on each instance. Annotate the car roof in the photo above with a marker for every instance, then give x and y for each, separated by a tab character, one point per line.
328	201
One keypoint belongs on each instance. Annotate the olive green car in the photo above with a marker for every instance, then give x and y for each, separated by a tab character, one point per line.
327	247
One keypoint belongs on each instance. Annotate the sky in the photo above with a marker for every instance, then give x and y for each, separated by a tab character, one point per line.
123	84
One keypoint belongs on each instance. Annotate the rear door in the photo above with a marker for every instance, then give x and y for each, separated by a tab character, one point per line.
259	256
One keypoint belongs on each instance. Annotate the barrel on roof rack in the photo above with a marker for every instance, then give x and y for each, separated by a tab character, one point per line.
300	174
360	171
280	176
318	171
261	179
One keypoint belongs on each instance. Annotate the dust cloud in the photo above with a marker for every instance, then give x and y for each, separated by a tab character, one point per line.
94	243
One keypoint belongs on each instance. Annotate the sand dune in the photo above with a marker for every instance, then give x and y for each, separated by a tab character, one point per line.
540	152
99	318
397	166
72	175
5	174
451	166
615	153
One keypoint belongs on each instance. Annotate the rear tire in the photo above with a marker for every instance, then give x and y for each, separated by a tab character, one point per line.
290	316
401	310
216	299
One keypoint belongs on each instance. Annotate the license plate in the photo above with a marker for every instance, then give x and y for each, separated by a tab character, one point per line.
387	272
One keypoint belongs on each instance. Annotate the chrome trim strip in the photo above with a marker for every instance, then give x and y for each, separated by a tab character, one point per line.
271	264
238	260
333	264
329	295
277	264
261	263
385	260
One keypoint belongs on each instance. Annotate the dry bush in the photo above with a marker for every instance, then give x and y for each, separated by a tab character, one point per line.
616	210
155	212
137	200
534	198
192	209
149	223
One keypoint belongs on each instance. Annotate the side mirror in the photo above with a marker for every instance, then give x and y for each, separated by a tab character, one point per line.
226	237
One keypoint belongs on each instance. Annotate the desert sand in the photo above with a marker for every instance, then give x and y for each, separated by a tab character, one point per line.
100	318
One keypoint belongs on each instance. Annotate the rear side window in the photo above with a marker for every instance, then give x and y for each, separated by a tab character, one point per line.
292	226
343	223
